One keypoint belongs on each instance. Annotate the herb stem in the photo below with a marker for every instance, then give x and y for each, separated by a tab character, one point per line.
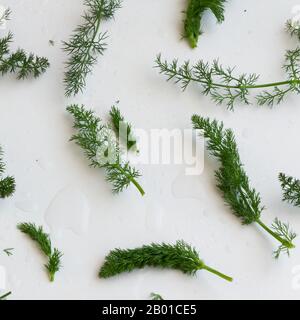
88	48
136	184
284	242
214	84
216	272
5	295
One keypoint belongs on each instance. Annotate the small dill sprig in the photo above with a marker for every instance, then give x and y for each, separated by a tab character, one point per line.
38	235
4	16
291	189
180	256
156	296
293	28
3	297
234	184
20	63
8	184
194	13
224	87
86	43
102	149
8	251
122	128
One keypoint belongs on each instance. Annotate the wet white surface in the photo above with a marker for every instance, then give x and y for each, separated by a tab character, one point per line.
56	188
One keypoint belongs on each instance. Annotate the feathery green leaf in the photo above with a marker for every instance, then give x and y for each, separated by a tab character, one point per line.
194	13
8	251
293	28
234	184
86	43
156	296
180	256
4	16
291	189
101	147
122	128
22	64
224	87
7	185
38	235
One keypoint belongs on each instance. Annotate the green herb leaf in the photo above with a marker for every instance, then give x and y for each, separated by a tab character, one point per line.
155	296
180	256
8	251
102	149
122	128
291	189
86	43
293	28
5	16
194	13
38	235
20	63
234	184
7	185
224	87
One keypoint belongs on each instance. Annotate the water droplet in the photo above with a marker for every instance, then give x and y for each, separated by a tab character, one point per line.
44	164
68	210
186	186
27	204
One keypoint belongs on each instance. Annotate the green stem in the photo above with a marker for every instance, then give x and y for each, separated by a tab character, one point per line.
138	186
284	242
132	180
96	30
221	275
5	295
258	86
267	85
51	277
88	48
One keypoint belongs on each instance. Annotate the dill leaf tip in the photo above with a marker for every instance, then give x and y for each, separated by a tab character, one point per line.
42	239
7	184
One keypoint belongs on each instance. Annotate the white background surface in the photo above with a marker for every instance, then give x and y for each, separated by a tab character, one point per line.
34	131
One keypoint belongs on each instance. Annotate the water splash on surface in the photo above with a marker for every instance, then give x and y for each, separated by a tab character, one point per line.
69	210
27	204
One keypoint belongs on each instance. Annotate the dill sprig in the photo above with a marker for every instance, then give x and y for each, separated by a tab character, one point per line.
38	235
122	128
291	189
19	62
180	256
3	297
234	184
224	87
293	28
8	184
194	13
102	149
156	296
5	16
8	251
86	43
